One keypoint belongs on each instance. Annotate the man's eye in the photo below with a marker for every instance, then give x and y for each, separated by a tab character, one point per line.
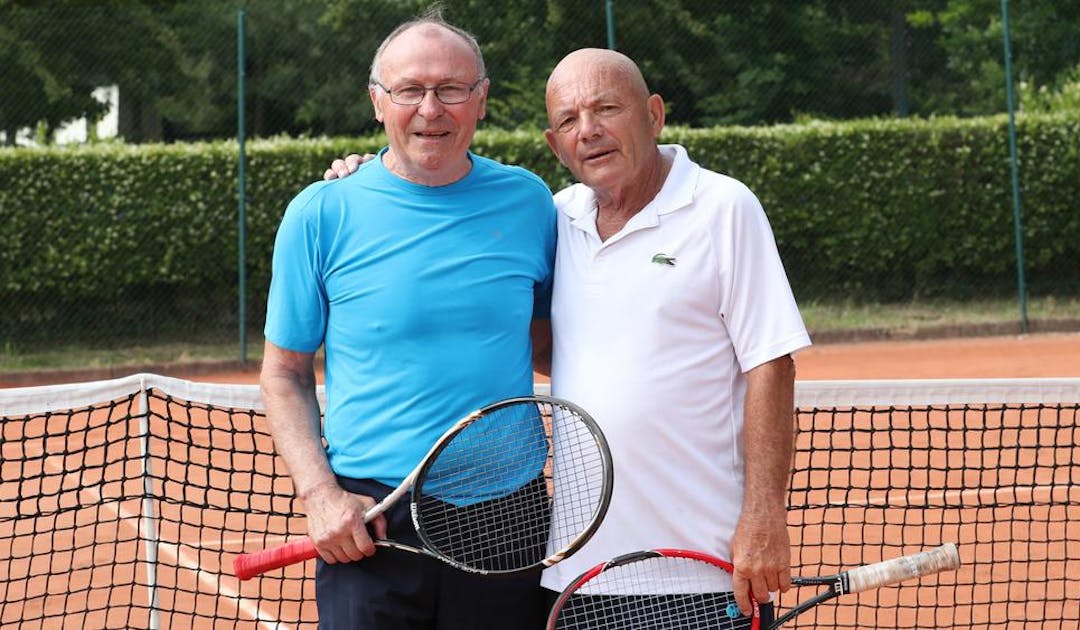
566	124
410	91
455	92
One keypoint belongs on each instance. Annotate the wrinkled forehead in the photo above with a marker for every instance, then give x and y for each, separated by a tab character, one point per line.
584	84
429	50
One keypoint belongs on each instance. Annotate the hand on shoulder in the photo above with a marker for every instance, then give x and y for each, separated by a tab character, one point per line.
343	167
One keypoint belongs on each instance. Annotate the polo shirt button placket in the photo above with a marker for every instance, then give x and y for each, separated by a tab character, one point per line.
599	266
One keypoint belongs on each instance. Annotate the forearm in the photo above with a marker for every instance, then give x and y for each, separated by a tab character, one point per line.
769	435
335	518
287	385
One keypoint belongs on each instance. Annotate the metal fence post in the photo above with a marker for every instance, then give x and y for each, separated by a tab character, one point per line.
609	12
241	186
1014	169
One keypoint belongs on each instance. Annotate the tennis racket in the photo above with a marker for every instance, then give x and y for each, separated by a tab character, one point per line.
515	486
690	590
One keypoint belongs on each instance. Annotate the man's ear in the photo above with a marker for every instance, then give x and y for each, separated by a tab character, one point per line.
549	136
484	85
655	105
373	92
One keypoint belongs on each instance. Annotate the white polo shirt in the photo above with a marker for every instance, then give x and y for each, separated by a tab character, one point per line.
654	329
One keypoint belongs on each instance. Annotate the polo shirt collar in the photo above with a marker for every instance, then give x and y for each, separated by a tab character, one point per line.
676	193
678	189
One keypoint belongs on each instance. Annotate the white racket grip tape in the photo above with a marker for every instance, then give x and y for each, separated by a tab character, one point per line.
943	558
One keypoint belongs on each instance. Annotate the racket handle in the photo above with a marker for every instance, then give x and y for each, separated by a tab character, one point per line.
935	560
248	565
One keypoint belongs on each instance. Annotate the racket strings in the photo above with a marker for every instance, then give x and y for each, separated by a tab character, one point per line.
577	477
499	535
651	593
510	487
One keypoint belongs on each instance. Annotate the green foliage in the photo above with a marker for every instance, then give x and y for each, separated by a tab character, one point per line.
45	78
113	241
1044	98
714	61
910	209
961	67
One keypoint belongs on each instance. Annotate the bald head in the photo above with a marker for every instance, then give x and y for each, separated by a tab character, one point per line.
603	123
606	67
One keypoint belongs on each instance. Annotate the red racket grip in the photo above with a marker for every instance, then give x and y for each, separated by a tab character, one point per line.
248	565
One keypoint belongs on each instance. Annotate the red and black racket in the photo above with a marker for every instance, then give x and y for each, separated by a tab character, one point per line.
515	486
690	590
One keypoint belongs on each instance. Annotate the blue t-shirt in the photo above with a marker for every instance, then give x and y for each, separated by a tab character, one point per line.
422	298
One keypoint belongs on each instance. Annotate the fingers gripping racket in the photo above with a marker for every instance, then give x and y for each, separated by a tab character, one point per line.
689	590
514	486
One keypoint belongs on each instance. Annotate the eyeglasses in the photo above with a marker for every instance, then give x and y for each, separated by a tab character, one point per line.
447	93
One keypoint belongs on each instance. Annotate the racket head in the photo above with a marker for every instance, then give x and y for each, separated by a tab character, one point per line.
515	486
659	588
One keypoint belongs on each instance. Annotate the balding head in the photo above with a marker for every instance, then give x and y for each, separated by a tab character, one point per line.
604	124
428	138
430	25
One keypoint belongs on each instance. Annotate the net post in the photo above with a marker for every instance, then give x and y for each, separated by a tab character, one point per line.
149	519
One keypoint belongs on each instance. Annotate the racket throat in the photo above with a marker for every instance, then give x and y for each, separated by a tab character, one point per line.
842	585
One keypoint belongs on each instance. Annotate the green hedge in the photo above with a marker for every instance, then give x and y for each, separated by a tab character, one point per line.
902	209
110	241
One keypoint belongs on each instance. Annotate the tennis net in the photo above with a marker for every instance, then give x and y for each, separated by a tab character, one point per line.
883	469
123	503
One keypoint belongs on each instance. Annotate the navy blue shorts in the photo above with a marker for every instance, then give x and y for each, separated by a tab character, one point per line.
399	590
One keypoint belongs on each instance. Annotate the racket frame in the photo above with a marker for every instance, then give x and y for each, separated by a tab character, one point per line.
245	566
638	556
574	543
855	580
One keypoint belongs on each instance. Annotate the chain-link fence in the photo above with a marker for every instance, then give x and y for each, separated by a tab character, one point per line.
137	73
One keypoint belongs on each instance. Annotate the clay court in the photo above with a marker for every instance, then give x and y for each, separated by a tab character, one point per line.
889	482
1018	356
1029	356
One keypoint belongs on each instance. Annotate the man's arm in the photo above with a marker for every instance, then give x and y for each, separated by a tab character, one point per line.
761	547
335	518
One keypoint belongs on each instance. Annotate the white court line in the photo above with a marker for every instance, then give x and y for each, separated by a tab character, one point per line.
186	560
211	580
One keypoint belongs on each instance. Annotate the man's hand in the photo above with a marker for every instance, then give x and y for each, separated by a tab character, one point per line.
340	168
335	520
761	553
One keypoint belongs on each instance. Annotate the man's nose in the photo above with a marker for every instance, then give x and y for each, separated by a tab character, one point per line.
430	106
589	126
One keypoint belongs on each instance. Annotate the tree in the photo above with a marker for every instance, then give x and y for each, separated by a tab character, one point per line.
54	56
38	83
714	61
970	78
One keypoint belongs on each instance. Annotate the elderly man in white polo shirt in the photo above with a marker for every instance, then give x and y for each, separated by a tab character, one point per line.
674	325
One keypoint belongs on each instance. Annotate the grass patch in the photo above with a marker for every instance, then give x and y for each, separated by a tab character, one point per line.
73	357
904	319
911	316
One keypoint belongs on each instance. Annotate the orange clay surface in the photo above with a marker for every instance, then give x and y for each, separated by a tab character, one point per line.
1022	356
